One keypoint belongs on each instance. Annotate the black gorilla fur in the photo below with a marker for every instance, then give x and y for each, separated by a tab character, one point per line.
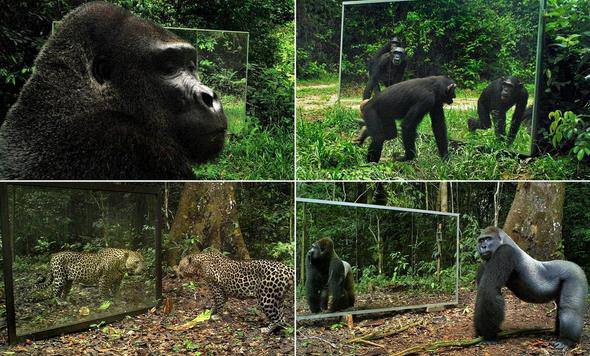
506	264
113	97
327	274
388	69
495	100
408	101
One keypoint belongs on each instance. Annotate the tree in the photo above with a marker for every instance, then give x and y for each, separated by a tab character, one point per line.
535	218
207	216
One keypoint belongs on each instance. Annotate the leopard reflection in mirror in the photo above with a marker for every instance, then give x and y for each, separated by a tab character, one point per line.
105	269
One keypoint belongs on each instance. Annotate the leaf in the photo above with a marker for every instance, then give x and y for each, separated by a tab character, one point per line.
84	311
580	155
204	316
105	305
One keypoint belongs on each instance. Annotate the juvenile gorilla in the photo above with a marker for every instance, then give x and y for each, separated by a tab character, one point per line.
327	274
496	99
408	101
113	97
506	264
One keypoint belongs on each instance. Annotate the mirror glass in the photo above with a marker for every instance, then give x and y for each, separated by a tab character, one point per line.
384	42
400	259
80	255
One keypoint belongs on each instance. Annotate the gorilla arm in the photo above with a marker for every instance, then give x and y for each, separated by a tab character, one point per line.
489	304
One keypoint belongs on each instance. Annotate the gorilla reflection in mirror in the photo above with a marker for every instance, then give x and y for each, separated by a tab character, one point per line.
113	96
327	274
506	264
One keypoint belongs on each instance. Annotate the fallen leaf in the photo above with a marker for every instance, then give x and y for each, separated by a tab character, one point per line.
84	311
206	315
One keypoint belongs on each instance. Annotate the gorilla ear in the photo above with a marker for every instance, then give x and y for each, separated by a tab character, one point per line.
101	70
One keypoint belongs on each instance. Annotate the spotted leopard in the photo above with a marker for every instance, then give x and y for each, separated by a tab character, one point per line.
267	281
104	268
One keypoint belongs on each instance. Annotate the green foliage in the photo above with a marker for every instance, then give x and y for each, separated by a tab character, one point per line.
566	61
261	153
282	251
568	128
470	41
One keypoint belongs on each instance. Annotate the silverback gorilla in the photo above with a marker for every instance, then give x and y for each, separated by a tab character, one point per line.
506	264
327	274
386	67
496	99
113	97
408	101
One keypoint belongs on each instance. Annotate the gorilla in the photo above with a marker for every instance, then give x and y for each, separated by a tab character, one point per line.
506	264
496	99
113	97
327	274
408	101
387	68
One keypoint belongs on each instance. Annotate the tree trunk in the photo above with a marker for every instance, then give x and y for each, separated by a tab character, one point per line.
534	219
444	207
207	213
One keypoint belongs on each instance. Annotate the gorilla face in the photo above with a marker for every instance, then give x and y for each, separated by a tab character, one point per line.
397	57
321	248
197	118
508	86
159	87
487	243
179	103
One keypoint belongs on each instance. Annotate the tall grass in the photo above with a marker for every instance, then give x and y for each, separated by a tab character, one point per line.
325	151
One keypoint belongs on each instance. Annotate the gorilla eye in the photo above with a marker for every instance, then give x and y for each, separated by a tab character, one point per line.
168	68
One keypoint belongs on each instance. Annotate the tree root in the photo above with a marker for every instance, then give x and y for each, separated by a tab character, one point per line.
431	347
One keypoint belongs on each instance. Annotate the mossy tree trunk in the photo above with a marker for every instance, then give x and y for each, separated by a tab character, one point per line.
207	216
535	217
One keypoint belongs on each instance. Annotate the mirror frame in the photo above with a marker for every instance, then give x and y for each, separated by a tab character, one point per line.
8	256
453	302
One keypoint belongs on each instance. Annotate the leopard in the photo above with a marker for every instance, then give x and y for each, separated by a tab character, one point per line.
104	268
267	281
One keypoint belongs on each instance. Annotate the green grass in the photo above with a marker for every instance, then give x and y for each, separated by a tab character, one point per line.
252	154
325	149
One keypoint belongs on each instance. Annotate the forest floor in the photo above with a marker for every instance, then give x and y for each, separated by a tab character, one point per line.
325	149
321	337
385	297
237	333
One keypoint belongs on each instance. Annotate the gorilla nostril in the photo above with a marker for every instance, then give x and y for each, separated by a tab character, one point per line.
207	99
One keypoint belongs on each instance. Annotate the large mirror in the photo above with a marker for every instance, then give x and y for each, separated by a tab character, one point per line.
78	256
385	42
399	258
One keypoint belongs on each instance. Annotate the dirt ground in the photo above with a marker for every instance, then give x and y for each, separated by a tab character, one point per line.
237	333
382	298
331	337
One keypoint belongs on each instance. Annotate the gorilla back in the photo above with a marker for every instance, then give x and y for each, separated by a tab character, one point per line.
113	97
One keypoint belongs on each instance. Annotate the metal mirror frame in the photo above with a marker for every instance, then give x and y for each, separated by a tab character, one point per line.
538	63
454	302
8	255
